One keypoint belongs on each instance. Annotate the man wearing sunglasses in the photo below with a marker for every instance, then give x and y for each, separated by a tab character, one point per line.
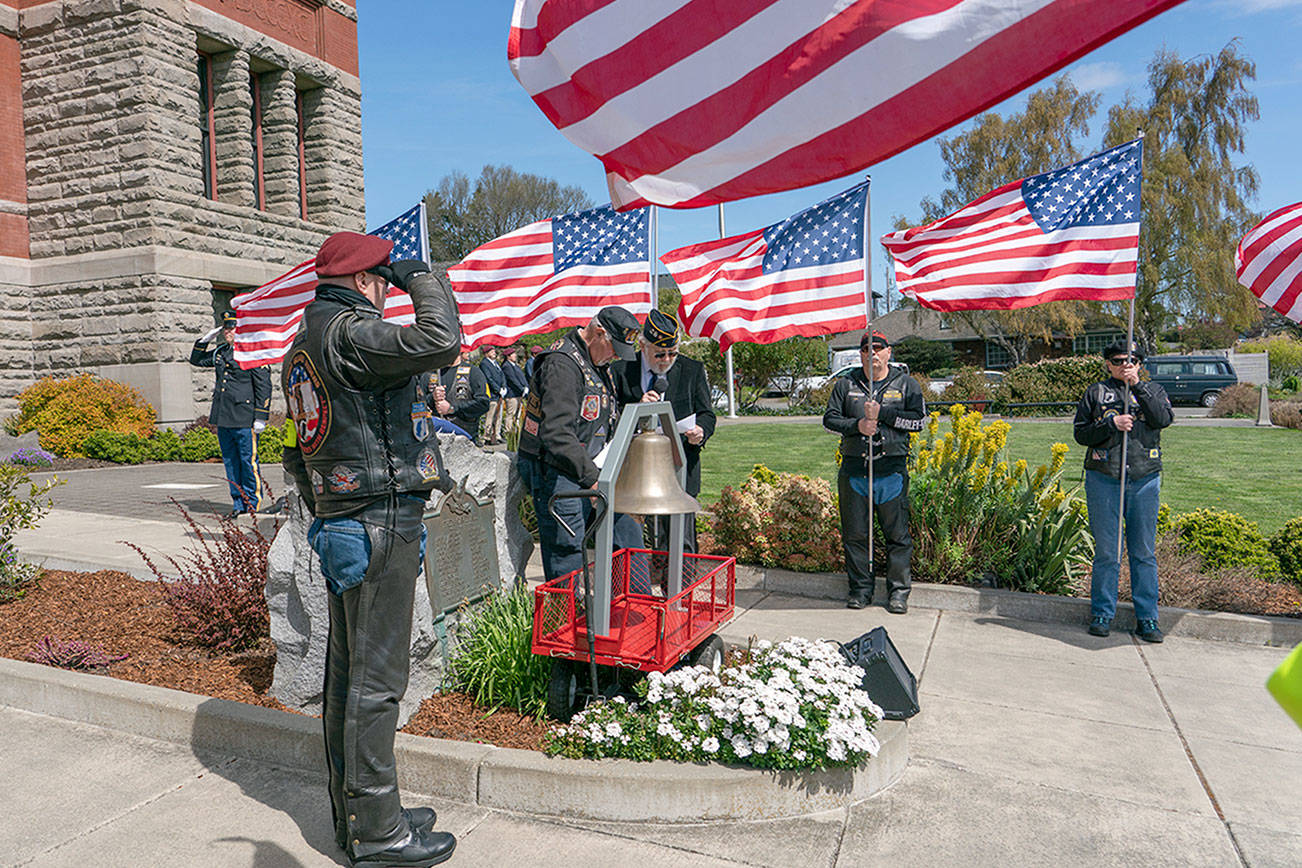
662	373
1102	416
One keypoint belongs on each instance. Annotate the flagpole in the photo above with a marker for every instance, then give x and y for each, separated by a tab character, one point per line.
868	291
732	397
654	264
1130	344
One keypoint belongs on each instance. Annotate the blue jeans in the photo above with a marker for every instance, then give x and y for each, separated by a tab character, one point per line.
237	445
344	550
562	552
1102	493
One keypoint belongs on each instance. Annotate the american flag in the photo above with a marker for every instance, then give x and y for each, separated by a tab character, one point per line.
267	318
693	102
552	274
1071	233
803	276
1269	261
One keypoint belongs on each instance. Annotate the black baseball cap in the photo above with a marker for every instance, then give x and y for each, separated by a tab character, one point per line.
623	328
1118	348
876	340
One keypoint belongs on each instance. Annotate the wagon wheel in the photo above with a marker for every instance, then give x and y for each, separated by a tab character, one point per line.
562	690
708	654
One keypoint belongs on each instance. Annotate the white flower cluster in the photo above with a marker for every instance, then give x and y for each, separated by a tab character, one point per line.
797	703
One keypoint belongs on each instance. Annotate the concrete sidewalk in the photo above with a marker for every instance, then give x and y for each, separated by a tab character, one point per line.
1036	744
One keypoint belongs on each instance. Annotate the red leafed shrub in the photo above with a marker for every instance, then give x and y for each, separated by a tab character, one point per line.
72	654
779	520
218	593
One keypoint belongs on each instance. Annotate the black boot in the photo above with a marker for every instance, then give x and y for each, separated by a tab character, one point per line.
898	603
424	848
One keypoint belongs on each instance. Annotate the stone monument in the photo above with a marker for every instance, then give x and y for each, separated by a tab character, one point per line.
460	549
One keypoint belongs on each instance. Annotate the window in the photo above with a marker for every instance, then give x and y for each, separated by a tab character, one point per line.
207	138
1206	369
1090	344
997	356
1168	369
259	191
302	151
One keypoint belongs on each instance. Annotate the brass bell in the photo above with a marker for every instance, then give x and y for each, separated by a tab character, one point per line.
647	483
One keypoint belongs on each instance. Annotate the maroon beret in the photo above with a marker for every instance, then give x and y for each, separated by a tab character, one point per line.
346	253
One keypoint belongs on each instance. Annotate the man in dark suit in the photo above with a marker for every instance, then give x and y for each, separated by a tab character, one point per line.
241	402
661	373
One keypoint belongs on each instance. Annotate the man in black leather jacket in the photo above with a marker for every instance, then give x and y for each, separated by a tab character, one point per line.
365	462
875	407
1101	417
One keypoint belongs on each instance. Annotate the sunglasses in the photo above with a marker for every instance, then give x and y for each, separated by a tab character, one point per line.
1123	360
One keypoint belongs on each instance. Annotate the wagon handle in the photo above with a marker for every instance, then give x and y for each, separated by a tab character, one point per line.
600	508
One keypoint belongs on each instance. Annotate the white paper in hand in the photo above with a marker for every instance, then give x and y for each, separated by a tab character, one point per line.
600	458
686	424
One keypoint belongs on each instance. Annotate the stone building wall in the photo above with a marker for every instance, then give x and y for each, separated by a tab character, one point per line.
125	247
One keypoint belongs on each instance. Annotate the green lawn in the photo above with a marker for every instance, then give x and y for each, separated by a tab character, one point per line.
1251	471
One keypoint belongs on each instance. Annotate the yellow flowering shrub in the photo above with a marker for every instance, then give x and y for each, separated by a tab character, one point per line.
66	410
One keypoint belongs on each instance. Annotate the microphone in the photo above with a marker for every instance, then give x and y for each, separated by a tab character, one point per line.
661	384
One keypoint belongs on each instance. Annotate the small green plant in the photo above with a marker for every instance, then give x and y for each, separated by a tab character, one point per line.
116	446
199	444
71	654
1291	383
780	520
23	504
271	445
65	411
1226	539
165	445
217	595
1287	547
493	661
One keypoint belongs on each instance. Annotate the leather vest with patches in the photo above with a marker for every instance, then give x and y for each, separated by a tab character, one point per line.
598	412
888	441
357	446
1143	446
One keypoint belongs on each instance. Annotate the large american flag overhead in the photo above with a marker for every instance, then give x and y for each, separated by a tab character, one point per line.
267	318
1072	233
803	276
552	274
693	102
1269	261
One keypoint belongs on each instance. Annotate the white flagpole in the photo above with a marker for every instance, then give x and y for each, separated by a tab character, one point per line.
654	217
424	228
1125	387
732	397
868	291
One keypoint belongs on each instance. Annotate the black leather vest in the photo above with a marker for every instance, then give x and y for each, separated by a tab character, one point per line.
356	445
1143	446
598	411
889	392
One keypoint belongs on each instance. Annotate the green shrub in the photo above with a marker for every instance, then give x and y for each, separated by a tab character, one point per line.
1064	379
780	520
971	387
1241	399
199	444
924	356
65	411
1291	383
1284	352
116	446
165	445
23	504
271	445
494	661
1226	539
1287	548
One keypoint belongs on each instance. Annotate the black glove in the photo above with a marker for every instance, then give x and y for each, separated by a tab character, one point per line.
401	272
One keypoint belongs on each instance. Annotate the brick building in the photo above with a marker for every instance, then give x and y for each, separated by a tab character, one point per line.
157	156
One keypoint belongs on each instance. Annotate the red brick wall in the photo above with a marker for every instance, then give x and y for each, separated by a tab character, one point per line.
318	31
13	153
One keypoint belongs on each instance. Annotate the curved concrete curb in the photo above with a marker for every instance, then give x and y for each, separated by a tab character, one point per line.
1190	623
478	774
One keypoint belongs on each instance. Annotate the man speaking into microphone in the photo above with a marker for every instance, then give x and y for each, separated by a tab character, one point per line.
662	373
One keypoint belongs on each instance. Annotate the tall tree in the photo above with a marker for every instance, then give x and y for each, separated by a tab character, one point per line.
462	216
993	152
1194	195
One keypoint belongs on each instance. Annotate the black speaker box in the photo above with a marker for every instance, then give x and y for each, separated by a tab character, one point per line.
887	680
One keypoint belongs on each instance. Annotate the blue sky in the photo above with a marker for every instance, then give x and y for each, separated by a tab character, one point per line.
438	96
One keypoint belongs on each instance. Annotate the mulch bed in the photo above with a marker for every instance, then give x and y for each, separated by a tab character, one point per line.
124	615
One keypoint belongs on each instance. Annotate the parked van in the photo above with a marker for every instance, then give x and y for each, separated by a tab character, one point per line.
1192	379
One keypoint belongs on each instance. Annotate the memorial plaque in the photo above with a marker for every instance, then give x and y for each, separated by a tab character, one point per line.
461	550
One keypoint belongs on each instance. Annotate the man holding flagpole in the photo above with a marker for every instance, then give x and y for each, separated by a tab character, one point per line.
1123	440
874	410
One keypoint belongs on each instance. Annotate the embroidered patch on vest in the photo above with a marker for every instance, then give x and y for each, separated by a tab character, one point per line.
591	407
308	403
427	465
531	425
343	479
1153	453
318	484
421	420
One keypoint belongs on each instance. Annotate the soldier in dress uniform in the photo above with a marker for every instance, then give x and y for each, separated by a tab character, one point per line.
569	415
365	463
241	403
